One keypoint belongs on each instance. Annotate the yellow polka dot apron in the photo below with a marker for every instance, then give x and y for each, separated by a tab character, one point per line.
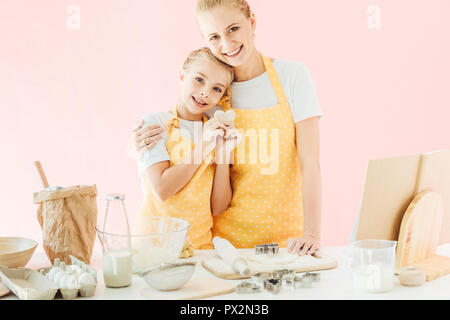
192	202
267	202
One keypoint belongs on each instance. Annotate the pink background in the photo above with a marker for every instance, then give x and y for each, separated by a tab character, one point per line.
69	98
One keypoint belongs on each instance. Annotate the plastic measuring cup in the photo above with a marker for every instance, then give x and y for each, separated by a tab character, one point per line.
372	264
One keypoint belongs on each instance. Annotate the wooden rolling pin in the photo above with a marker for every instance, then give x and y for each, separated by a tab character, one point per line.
230	255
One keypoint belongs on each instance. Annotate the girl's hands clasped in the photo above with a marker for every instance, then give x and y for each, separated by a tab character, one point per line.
212	129
223	137
226	145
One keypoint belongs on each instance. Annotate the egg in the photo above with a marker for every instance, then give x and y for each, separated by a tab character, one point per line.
68	282
87	279
58	276
53	271
62	281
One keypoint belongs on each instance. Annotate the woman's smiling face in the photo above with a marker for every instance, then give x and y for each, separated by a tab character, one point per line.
229	34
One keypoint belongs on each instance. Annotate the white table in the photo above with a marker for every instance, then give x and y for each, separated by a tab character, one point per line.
334	284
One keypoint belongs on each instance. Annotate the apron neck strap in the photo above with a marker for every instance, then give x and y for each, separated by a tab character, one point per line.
225	102
274	80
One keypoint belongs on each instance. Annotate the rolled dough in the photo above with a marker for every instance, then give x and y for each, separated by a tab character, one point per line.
280	258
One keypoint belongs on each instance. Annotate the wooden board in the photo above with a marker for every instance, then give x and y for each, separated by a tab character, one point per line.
3	289
198	288
388	190
220	269
435	267
420	234
392	183
435	176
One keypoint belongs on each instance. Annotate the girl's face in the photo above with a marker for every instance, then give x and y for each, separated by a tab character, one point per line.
229	34
203	85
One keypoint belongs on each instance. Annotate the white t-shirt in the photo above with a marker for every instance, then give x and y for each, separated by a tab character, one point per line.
256	93
159	153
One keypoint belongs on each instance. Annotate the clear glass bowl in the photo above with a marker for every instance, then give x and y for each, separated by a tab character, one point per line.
154	240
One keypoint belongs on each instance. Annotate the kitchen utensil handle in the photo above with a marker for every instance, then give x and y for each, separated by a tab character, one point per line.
41	173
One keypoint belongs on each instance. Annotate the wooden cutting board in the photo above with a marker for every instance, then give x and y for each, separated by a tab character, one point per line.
3	289
197	288
306	263
390	186
419	236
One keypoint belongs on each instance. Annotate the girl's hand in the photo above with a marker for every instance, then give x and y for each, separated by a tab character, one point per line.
212	129
307	244
145	138
226	145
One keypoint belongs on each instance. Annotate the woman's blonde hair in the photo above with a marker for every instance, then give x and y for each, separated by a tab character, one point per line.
206	54
242	5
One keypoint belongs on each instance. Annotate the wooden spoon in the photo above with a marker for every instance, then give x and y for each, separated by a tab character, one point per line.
41	173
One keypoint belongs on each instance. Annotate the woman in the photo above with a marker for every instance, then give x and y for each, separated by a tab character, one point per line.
274	100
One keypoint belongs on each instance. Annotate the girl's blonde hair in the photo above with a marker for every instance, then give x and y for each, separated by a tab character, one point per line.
206	54
242	5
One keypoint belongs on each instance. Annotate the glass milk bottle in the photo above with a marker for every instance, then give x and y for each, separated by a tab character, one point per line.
116	241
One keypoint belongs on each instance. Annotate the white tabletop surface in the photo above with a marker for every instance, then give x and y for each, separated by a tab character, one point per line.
334	284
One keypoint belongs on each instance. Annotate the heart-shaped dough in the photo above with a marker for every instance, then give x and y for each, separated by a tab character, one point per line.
226	117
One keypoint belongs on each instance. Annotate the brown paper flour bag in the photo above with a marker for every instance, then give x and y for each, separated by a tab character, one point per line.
68	217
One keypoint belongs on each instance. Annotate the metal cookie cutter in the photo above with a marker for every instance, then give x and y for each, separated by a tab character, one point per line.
298	282
271	248
307	281
289	284
261	249
247	287
284	274
272	285
261	277
303	282
315	276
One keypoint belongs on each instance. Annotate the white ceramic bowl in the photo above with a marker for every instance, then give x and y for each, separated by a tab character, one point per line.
16	252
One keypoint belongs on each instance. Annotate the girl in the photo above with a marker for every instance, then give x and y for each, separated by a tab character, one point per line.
178	178
268	95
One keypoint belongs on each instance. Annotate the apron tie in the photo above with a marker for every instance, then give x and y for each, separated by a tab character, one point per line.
173	122
225	102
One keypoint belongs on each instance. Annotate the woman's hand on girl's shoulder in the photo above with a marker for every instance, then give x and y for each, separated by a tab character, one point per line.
144	138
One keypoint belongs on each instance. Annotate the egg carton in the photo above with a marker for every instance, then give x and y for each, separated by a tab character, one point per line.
77	268
28	284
